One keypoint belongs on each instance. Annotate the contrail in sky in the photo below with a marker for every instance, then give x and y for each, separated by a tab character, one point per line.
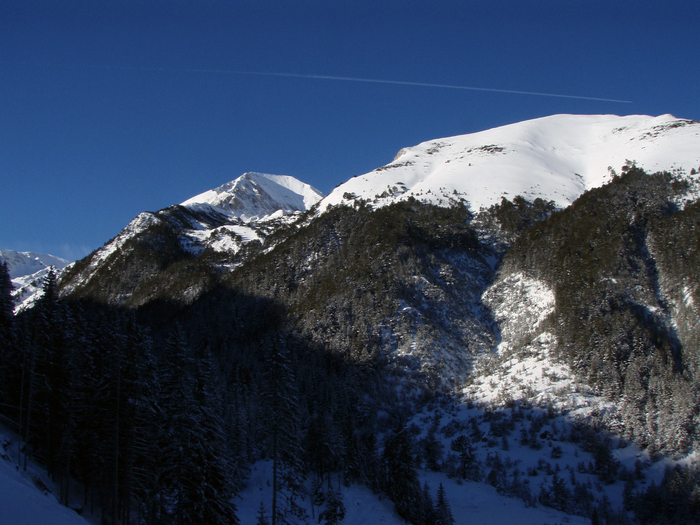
345	79
424	84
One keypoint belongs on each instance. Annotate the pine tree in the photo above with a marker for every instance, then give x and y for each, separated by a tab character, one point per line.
195	478
262	518
95	429
283	427
432	450
9	357
177	424
429	514
6	303
468	465
401	481
335	509
135	386
442	509
42	370
214	488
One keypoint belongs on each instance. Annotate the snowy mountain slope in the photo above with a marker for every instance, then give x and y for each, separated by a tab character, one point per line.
219	221
29	287
413	295
22	264
257	195
234	207
27	271
554	158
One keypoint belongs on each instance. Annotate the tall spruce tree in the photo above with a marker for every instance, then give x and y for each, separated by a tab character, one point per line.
9	362
284	440
213	487
177	423
195	484
6	304
401	478
443	511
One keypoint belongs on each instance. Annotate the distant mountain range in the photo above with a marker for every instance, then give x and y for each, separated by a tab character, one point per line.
27	271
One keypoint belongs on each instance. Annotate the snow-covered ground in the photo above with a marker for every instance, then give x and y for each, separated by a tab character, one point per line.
25	496
472	503
25	499
554	158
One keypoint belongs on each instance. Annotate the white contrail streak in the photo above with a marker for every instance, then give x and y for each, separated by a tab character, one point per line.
345	79
426	84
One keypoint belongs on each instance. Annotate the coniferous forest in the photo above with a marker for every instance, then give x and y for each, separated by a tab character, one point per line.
153	409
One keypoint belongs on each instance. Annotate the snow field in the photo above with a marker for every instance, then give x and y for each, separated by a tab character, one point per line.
554	158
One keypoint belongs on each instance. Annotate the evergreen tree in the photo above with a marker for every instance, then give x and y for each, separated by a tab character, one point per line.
6	304
211	485
262	518
468	464
335	509
401	479
135	386
195	482
443	511
10	369
96	397
283	427
429	513
177	430
432	448
43	371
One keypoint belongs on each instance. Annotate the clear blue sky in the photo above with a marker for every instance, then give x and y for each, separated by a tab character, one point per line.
109	108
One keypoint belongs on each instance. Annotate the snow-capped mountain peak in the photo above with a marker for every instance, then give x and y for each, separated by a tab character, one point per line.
555	158
257	195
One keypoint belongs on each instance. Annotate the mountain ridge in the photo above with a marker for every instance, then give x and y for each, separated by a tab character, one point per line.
553	158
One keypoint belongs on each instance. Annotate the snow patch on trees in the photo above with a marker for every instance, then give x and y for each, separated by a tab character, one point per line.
519	305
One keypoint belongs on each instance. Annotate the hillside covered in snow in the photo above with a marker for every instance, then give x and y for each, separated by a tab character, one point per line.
554	158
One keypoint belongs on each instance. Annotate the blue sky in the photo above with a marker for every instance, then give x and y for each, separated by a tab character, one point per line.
111	108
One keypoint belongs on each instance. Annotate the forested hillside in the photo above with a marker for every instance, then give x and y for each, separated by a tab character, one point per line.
622	264
151	391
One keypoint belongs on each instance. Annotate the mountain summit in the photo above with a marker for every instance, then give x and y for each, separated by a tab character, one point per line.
554	158
257	195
